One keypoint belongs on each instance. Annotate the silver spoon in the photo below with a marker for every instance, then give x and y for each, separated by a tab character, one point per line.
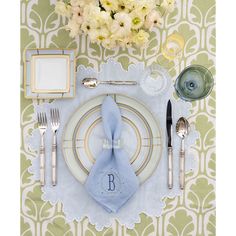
93	82
182	129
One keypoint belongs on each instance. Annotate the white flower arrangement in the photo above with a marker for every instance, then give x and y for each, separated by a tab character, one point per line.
114	23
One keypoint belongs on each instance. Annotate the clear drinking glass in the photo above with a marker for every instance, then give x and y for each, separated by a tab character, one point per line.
155	80
194	83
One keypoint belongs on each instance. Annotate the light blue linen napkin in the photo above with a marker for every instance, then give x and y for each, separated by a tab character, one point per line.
112	181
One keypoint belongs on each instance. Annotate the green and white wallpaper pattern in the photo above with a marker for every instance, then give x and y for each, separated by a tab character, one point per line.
193	213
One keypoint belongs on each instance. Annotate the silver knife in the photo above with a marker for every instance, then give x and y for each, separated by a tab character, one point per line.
170	148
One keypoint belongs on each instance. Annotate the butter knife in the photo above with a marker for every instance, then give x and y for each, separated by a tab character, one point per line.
169	130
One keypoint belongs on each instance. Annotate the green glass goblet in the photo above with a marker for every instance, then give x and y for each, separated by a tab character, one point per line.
194	83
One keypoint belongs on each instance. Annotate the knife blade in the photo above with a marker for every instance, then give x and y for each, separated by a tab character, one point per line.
169	130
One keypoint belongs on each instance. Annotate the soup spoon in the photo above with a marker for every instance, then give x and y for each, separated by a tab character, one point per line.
182	130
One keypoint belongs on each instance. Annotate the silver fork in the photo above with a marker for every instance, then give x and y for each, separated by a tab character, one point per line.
55	123
42	125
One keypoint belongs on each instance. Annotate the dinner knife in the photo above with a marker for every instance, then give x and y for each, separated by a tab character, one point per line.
169	139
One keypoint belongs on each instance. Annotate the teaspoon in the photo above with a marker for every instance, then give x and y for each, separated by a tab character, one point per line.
93	82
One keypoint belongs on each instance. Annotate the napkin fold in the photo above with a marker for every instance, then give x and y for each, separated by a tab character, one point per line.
112	181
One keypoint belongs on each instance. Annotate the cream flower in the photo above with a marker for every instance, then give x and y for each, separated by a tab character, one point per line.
83	3
125	42
91	10
99	35
75	3
153	19
126	5
168	5
74	28
121	26
141	38
77	14
62	9
109	43
104	18
137	19
109	5
145	6
86	27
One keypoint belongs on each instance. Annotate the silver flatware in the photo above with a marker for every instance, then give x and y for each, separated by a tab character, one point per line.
182	129
55	123
170	148
42	125
93	82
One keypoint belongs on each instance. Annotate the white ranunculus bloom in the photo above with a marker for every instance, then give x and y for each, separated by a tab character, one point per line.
168	5
109	43
121	25
75	3
137	19
141	38
126	5
125	42
109	5
74	28
145	6
153	19
62	9
99	35
114	22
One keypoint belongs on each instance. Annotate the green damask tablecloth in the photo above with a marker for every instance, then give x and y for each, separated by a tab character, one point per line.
191	214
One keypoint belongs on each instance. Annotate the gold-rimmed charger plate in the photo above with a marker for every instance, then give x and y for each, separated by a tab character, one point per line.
83	137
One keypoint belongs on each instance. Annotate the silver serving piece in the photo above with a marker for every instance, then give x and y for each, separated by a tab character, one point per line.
42	125
93	82
182	129
170	148
55	123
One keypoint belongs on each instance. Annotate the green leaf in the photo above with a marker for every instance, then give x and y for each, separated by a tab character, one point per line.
180	224
201	195
152	48
38	209
144	228
211	225
206	130
25	175
25	228
190	38
62	40
27	41
43	16
58	227
203	6
212	165
125	62
91	231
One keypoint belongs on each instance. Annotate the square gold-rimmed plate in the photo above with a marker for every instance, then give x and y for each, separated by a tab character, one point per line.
49	73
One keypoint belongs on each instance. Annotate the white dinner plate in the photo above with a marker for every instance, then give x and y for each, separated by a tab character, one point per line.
83	137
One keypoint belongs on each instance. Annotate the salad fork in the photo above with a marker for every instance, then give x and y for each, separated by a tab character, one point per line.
55	123
42	125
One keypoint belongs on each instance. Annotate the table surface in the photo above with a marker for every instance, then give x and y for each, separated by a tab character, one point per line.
193	213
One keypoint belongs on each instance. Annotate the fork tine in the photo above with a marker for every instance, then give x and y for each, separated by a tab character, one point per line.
51	116
58	118
53	113
45	119
38	118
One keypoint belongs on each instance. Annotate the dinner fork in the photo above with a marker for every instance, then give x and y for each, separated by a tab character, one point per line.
55	123
42	125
